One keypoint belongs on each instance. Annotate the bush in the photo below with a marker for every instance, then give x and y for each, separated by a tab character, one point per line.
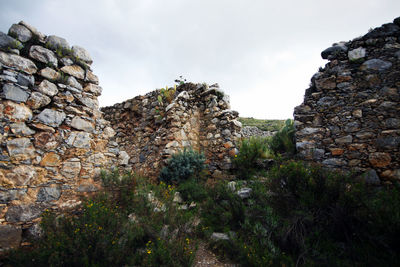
250	151
106	233
182	166
306	215
192	190
283	142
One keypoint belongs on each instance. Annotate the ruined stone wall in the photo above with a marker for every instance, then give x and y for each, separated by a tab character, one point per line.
350	117
196	116
53	137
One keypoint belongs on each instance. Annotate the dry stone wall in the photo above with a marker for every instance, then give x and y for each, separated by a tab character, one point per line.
195	116
350	117
54	140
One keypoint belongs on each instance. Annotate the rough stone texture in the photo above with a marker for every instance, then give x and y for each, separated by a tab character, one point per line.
10	236
82	54
20	32
43	55
357	100
196	116
54	138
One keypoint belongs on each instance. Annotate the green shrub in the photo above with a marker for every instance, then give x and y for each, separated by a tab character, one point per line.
105	233
283	142
192	190
182	166
250	151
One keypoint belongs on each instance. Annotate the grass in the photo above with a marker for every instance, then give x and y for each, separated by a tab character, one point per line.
264	125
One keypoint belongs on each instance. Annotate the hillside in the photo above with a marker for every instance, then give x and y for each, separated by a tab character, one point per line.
264	125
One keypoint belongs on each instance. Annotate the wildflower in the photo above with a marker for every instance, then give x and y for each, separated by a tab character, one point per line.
148	251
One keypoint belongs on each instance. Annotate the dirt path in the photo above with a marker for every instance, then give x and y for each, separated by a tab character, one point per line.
205	258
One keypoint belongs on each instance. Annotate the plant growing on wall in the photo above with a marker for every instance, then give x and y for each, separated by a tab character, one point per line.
166	94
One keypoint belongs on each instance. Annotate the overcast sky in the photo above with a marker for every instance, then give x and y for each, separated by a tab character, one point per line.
262	53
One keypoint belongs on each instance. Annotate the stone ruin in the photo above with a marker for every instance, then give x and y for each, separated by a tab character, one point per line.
197	116
55	140
350	117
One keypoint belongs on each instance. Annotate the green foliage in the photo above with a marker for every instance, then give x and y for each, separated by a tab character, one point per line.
16	45
264	125
108	231
305	215
62	77
182	166
166	94
192	190
283	142
250	151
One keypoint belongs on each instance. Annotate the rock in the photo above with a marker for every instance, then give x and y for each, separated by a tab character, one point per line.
51	117
20	148
10	236
17	112
71	168
334	162
81	124
89	102
244	192
43	55
14	93
47	88
9	195
379	159
81	54
94	89
389	143
344	140
90	77
50	74
38	100
55	42
357	54
46	194
74	70
326	101
50	160
326	83
23	213
177	198
376	64
41	37
333	51
74	83
352	127
15	61
371	177
20	32
123	158
383	31
25	80
7	41
22	175
35	232
392	123
219	237
79	139
20	128
87	188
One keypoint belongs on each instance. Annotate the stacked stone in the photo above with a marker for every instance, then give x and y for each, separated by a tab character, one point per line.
350	115
198	117
250	131
53	137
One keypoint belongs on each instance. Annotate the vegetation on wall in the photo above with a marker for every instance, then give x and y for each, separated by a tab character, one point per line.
264	125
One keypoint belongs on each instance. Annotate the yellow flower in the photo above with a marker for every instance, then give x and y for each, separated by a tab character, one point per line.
148	251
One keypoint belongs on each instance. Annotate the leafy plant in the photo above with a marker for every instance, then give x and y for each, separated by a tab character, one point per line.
283	142
250	151
182	166
166	94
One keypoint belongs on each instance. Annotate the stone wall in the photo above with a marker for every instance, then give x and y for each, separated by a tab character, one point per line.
350	117
195	115
53	137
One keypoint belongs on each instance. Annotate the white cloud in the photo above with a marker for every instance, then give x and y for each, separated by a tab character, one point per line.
262	53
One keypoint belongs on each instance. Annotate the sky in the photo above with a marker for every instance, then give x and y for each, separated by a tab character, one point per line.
261	53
